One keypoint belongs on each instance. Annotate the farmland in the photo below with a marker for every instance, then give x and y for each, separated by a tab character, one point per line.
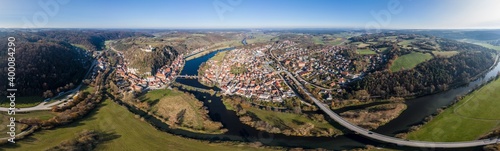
409	61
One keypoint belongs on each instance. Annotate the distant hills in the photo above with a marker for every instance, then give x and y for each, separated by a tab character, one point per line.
89	39
45	65
147	54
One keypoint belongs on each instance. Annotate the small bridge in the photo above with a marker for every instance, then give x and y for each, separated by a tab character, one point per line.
187	76
187	87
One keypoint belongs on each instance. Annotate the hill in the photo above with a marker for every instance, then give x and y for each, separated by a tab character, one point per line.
426	69
44	65
148	54
89	39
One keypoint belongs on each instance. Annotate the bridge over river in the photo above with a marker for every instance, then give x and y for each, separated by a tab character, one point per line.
187	76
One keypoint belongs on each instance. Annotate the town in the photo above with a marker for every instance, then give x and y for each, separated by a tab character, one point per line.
245	72
326	66
149	81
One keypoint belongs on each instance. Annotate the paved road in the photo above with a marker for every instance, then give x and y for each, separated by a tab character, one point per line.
384	138
388	139
48	106
314	85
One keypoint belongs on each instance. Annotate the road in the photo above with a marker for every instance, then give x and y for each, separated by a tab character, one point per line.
380	137
40	107
388	139
314	85
48	106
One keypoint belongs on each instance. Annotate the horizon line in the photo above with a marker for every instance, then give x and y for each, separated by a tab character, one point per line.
249	28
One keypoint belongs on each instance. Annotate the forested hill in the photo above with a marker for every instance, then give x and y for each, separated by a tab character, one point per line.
148	54
150	62
43	65
453	34
439	74
89	39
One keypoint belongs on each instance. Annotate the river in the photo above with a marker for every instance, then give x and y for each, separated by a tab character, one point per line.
417	110
422	107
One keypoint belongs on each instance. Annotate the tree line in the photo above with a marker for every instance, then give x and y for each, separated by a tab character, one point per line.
438	74
91	39
45	67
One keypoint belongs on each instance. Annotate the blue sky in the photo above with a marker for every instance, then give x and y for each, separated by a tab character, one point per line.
414	14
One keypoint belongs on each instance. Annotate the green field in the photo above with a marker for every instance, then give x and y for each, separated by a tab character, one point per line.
489	46
127	133
409	61
216	47
366	52
470	118
384	50
260	38
80	46
4	119
362	45
481	43
170	104
86	88
156	95
318	40
335	42
219	57
43	115
482	104
405	42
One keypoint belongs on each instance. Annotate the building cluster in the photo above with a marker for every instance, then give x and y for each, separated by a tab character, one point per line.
136	82
147	49
245	72
325	66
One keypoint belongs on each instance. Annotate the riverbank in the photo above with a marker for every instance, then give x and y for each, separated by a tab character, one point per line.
454	85
126	133
291	124
422	109
374	116
274	119
472	117
178	110
239	131
203	53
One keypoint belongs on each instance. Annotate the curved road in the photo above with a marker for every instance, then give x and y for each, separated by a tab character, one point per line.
48	106
384	138
40	107
389	139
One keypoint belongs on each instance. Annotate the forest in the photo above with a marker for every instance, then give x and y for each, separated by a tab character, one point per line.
48	61
435	75
91	39
452	45
44	66
494	42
